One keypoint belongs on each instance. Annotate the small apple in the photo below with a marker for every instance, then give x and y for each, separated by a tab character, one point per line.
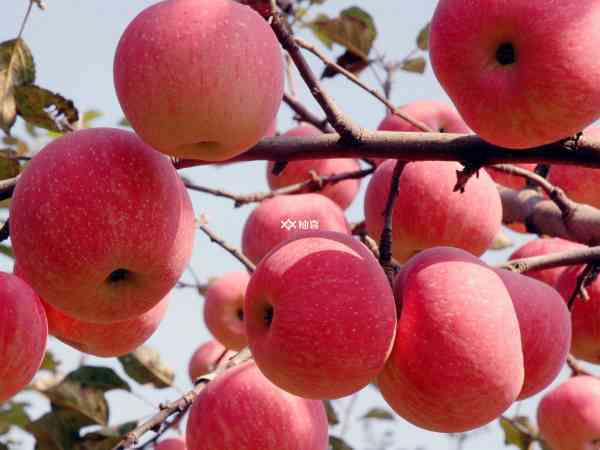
205	357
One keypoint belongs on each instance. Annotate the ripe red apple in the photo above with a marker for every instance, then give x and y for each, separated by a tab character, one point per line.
343	193
284	216
579	183
428	213
23	334
101	225
488	57
545	325
177	443
242	410
585	316
569	415
320	315
545	246
512	181
199	79
457	361
205	357
224	309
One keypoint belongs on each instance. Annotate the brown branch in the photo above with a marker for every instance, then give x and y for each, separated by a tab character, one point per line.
181	405
588	255
385	243
201	288
5	231
576	368
232	250
7	187
587	276
306	115
350	76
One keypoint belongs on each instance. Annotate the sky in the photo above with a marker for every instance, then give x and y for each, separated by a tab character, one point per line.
73	43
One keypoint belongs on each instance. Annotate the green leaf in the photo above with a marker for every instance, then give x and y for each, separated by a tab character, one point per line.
45	109
378	413
89	116
7	251
20	146
348	61
16	69
9	167
145	366
50	363
518	432
56	430
332	417
124	123
105	438
423	37
336	443
414	65
103	379
13	414
354	29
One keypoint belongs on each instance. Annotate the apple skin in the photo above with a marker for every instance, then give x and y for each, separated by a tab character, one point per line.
569	416
545	324
342	193
510	104
263	229
512	181
585	316
242	410
579	183
310	306
438	116
177	443
101	225
171	83
469	221
204	358
224	309
457	360
545	246
23	334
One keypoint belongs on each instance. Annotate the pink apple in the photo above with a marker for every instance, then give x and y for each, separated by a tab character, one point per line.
428	213
545	246
569	415
199	79
320	315
579	183
545	325
177	443
457	361
585	316
101	225
204	358
512	181
343	193
284	216
514	70
23	334
242	410
224	309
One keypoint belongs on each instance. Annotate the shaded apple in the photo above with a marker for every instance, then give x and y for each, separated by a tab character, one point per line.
205	357
177	443
512	181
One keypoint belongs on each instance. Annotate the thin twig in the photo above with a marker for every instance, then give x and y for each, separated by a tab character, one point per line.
305	115
232	250
385	244
576	368
5	231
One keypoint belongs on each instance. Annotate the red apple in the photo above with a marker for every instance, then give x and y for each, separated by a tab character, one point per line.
457	361
101	225
428	213
204	358
545	325
284	216
224	309
23	334
569	415
242	410
177	443
512	181
199	79
343	193
545	246
320	315
488	56
585	316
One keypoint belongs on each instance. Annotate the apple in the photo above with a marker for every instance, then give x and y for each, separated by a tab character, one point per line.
343	193
488	57
224	309
569	415
200	79
320	315
428	213
512	181
545	324
579	183
545	246
176	443
23	335
242	410
284	216
457	360
585	316
101	225
205	357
